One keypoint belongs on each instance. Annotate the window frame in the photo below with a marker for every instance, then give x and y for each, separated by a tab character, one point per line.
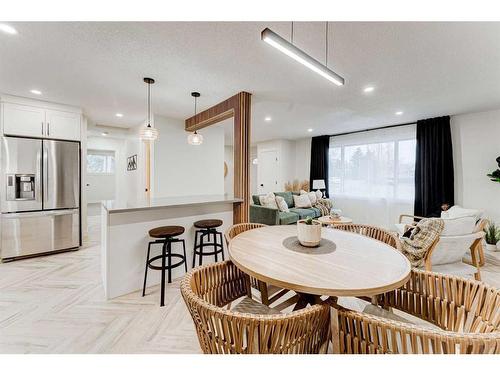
378	138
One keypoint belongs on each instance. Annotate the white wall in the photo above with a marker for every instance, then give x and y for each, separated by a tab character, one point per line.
181	169
302	158
253	170
229	179
134	181
476	145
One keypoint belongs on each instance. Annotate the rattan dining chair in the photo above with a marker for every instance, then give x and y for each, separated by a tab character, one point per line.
268	293
466	314
372	232
207	290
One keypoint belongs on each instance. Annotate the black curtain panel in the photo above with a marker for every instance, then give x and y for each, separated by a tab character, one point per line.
319	160
433	167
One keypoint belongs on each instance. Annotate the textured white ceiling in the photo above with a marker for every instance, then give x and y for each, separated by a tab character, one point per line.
423	69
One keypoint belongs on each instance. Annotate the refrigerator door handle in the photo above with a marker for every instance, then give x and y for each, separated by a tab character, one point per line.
45	175
21	215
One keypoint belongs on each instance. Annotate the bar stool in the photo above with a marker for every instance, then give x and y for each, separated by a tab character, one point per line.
166	236
207	228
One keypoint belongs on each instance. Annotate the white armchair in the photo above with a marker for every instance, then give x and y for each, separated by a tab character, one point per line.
446	255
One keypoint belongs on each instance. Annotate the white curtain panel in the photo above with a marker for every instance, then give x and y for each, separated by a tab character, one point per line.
372	174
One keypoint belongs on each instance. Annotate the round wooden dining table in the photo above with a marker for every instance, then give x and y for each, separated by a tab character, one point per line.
350	265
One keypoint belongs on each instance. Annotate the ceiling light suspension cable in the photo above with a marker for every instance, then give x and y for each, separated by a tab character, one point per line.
289	49
194	138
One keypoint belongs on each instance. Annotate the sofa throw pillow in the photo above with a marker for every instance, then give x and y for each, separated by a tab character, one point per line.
319	194
282	206
268	200
302	201
312	197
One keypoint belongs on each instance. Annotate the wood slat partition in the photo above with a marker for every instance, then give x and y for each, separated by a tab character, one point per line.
238	107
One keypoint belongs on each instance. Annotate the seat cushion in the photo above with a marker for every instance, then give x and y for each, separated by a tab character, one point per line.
317	211
288	218
460	269
249	306
166	231
208	223
303	212
287	196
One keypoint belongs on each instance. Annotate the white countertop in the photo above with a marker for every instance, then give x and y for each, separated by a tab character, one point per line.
113	206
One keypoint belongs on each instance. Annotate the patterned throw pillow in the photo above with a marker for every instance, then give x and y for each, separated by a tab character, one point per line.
312	197
282	206
302	201
268	200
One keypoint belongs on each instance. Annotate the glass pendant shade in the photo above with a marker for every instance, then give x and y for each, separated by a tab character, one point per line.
195	139
147	133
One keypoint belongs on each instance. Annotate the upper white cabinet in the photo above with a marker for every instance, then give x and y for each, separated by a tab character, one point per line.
39	121
63	125
23	120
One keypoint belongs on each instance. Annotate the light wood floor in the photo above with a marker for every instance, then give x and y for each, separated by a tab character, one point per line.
55	304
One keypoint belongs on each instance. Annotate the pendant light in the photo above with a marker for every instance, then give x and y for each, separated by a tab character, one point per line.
194	138
289	49
148	133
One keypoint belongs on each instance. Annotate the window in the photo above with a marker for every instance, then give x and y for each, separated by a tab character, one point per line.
374	164
100	162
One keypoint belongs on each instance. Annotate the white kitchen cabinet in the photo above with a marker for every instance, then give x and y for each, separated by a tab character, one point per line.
37	121
23	120
62	125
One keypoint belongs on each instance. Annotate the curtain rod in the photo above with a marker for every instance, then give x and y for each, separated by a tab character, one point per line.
367	130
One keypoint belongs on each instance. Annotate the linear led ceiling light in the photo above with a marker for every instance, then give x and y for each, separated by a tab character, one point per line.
297	54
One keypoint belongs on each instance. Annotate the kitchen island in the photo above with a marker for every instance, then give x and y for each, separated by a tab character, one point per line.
124	235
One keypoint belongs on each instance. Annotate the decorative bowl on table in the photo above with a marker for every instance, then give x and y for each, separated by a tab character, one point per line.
335	213
309	232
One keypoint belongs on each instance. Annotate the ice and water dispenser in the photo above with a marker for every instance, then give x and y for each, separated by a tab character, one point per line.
20	187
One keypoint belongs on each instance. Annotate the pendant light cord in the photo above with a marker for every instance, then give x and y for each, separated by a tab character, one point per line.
291	34
149	105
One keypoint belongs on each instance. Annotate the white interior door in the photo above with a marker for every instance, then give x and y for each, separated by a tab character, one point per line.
268	171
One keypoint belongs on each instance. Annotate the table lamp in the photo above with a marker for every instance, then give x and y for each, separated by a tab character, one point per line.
319	185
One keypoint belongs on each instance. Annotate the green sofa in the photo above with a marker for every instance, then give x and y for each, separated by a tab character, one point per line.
271	216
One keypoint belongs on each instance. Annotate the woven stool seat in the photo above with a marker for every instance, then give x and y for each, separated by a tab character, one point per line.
167	231
208	223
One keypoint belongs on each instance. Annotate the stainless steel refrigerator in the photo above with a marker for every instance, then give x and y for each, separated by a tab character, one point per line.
40	197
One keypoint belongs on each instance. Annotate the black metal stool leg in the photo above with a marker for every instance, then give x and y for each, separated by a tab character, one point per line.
185	258
215	245
200	255
163	259
169	250
146	271
222	245
195	244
